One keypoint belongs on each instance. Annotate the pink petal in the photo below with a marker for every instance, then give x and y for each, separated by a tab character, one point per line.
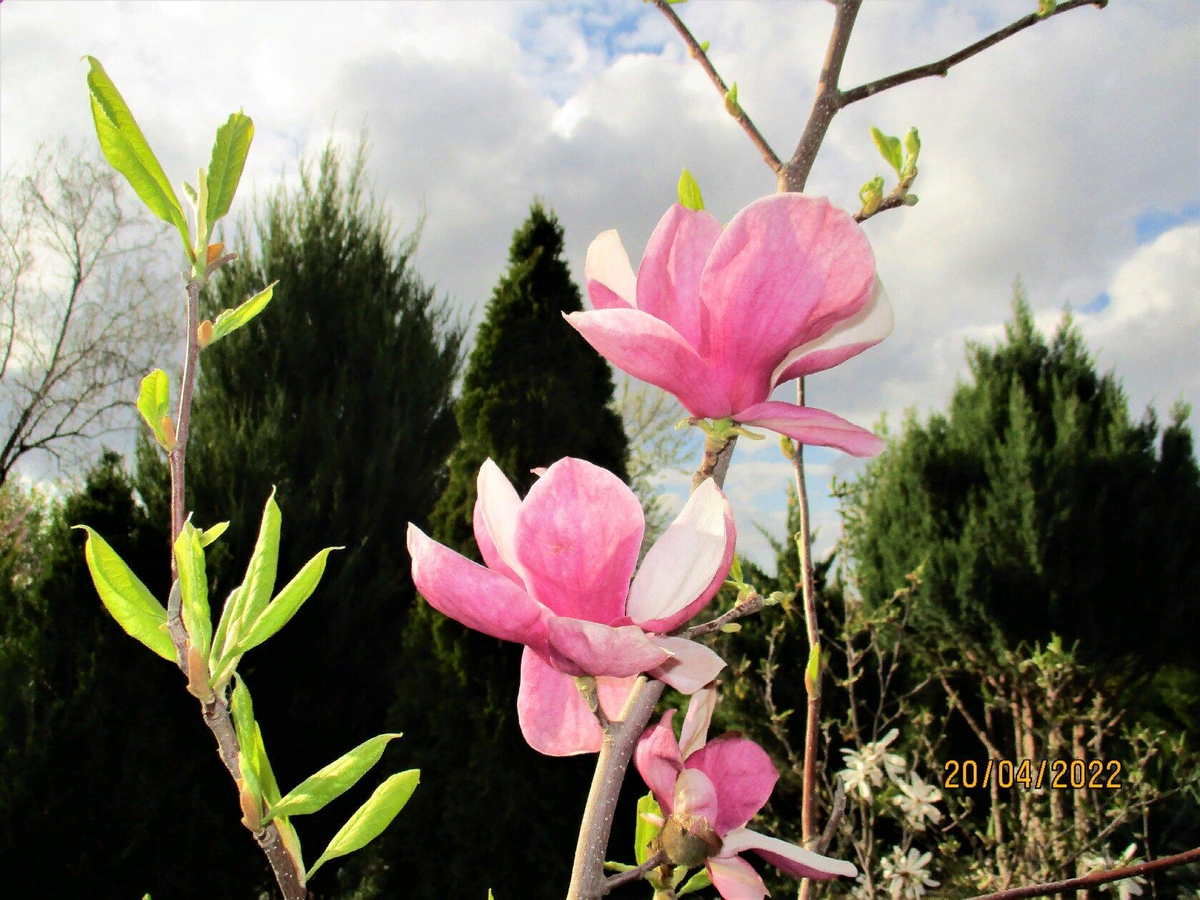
473	595
787	857
495	520
735	879
668	280
579	647
687	564
656	756
787	269
849	338
652	351
577	540
690	667
812	426
554	717
695	795
695	724
743	774
608	274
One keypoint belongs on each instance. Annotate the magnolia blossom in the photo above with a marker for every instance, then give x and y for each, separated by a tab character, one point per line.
709	790
865	768
916	801
1126	887
557	581
720	317
907	876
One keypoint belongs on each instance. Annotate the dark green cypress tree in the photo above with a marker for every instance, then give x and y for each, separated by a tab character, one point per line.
340	395
502	816
1041	508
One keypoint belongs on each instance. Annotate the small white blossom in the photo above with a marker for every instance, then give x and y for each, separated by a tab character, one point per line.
1126	887
907	875
916	801
865	768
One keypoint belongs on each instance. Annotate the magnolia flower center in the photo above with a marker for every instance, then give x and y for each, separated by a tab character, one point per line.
688	840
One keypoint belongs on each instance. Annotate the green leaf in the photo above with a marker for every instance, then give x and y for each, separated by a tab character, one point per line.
242	710
812	670
247	603
644	832
211	534
314	792
127	151
689	192
697	882
270	786
610	866
735	571
889	148
286	603
225	167
125	597
704	46
193	588
371	818
731	100
154	401
912	150
233	319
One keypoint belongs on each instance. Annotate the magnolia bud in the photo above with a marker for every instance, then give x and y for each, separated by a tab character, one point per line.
204	333
251	808
197	673
688	840
214	252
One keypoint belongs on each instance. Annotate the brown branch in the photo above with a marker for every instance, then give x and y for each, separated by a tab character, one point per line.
894	200
979	732
752	604
697	52
942	67
615	881
1095	878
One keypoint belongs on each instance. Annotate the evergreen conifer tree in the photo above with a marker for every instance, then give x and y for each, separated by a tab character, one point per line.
533	392
340	396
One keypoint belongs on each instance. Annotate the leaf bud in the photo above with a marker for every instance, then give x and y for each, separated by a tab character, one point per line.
204	333
214	252
168	430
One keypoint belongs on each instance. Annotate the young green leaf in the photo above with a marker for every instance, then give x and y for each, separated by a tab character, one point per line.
225	168
247	604
127	151
125	597
371	818
735	571
265	773
242	709
689	192
193	586
697	882
644	832
314	792
889	148
154	400
211	534
610	866
285	605
813	669
219	659
233	319
912	151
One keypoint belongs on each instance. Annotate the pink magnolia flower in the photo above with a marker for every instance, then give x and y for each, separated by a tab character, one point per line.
557	580
719	318
709	790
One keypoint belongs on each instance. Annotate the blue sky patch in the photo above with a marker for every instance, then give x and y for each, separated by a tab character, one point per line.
1154	222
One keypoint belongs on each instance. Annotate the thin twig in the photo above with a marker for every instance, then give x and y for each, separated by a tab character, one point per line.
698	53
835	818
615	881
942	67
752	604
591	695
1095	878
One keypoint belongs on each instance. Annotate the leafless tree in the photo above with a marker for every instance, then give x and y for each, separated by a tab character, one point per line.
81	305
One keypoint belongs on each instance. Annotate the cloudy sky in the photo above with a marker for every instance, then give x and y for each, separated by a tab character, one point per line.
1068	156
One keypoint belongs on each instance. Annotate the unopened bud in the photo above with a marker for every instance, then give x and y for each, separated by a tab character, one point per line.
688	840
204	333
214	252
251	807
786	446
168	430
197	673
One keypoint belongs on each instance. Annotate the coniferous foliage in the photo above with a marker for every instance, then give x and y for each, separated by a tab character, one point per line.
107	792
533	392
1040	507
339	396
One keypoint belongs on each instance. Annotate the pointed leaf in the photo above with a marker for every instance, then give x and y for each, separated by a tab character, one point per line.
270	787
889	148
125	597
223	651
154	402
645	832
211	534
193	588
127	151
233	319
242	710
286	604
371	818
689	192
252	596
335	779
697	882
225	168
